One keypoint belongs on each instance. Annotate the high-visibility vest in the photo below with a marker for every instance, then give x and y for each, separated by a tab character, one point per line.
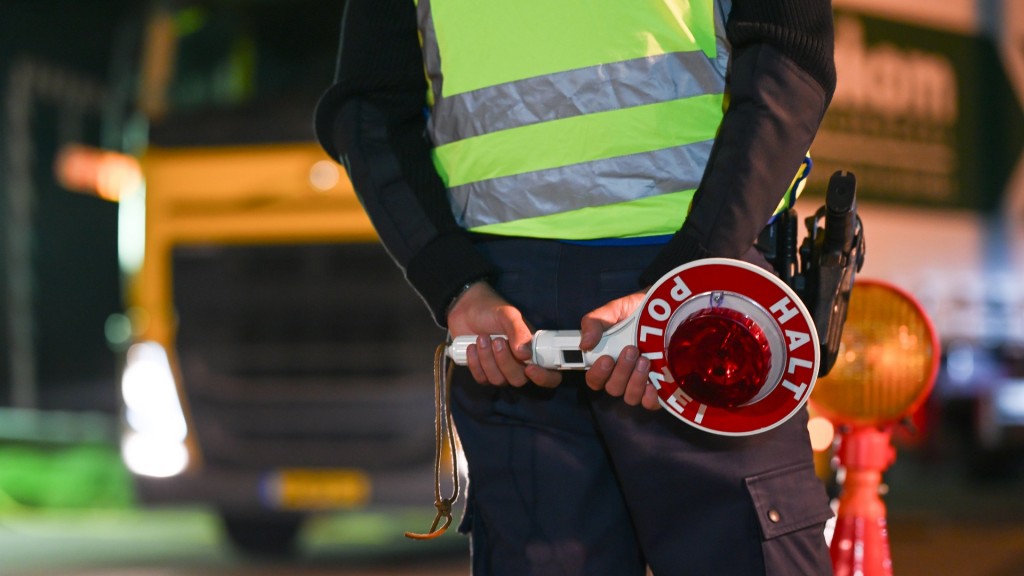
573	119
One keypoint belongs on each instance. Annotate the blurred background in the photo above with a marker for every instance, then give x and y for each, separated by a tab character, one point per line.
209	366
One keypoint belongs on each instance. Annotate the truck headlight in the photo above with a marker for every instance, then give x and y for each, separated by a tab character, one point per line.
154	444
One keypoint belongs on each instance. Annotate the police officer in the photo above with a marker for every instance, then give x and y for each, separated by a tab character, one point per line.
535	165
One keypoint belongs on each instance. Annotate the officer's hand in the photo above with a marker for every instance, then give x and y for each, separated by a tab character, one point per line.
626	377
481	311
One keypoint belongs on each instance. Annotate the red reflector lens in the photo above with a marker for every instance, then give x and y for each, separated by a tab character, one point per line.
719	357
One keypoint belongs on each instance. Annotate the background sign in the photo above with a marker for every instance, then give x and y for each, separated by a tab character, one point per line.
922	116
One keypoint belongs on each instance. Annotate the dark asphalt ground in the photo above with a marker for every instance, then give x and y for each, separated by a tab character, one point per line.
941	522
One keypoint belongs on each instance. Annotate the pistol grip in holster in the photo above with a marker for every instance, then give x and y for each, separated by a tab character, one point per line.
822	271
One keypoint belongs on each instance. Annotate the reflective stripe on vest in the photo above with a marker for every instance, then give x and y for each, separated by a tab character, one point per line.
573	119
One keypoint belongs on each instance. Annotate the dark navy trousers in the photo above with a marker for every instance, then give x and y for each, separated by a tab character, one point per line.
569	481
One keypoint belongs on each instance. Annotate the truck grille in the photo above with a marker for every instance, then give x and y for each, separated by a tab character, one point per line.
304	355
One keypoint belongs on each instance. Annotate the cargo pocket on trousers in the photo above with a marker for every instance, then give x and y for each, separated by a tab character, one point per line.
792	507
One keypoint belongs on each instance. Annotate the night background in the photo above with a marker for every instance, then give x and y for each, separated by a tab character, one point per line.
930	118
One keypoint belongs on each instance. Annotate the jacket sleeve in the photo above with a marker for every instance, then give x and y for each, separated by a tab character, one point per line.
781	80
372	120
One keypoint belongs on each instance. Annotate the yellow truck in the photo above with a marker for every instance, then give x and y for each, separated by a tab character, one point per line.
276	363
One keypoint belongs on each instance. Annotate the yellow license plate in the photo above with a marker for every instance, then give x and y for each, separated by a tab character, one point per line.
318	489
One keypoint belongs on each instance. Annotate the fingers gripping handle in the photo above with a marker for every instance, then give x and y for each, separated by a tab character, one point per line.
559	349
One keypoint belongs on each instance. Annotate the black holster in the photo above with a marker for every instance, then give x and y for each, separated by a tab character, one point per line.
822	270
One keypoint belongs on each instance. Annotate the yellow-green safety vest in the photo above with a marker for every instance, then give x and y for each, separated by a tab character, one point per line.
573	119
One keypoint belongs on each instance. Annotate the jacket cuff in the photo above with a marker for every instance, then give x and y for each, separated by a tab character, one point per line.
442	269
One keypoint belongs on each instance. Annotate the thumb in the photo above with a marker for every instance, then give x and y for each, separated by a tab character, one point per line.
594	323
519	336
592	328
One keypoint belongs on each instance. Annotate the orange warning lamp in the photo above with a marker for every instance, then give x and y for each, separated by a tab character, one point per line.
887	363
